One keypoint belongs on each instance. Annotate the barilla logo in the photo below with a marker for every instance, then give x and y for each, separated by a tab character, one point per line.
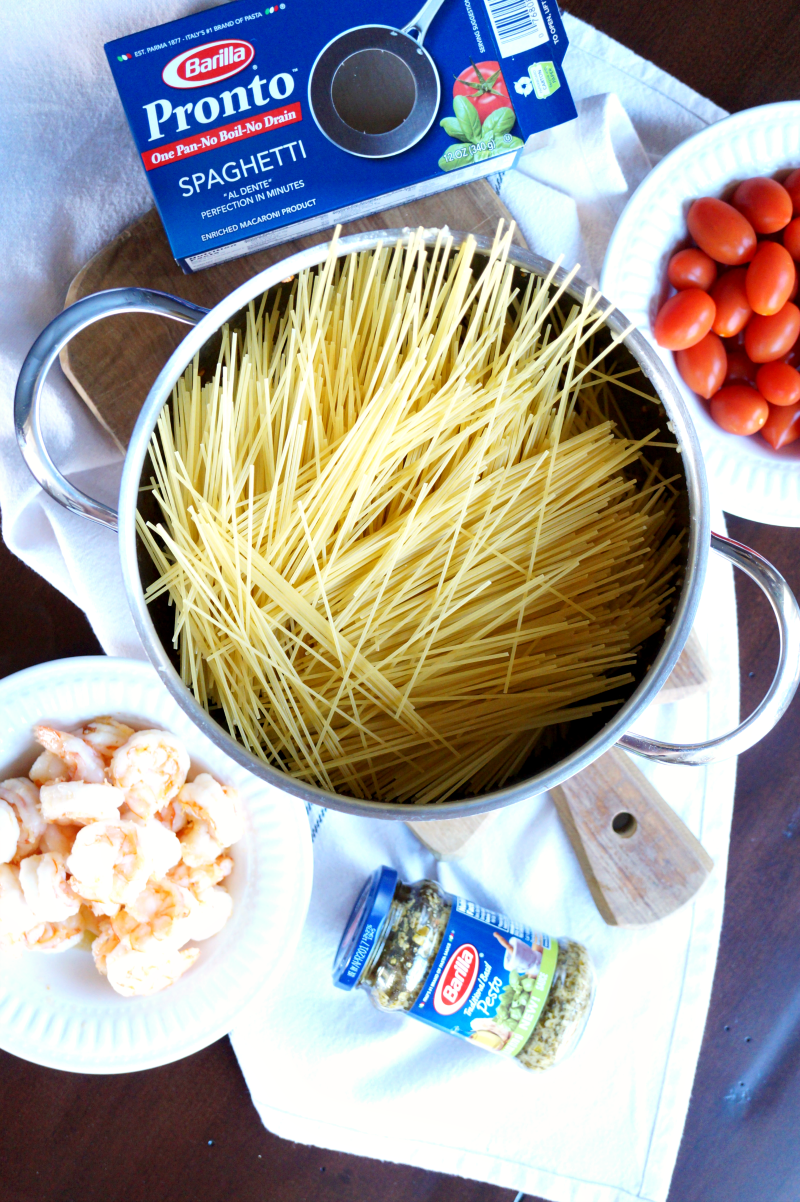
208	64
455	983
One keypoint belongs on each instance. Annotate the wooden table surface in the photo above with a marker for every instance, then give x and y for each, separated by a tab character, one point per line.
189	1133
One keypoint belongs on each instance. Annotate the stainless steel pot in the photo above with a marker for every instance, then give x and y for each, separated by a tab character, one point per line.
615	730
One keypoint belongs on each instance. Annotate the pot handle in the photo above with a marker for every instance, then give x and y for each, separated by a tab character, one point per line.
781	691
40	359
419	24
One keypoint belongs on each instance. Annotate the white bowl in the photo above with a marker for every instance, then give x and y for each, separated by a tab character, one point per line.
56	1009
746	476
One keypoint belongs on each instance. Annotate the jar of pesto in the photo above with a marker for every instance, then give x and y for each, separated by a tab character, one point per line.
468	971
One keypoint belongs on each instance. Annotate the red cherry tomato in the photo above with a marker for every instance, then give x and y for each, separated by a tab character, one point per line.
739	409
703	365
740	369
779	383
729	294
721	231
768	338
770	278
792	186
765	203
791	238
782	426
691	268
483	84
684	319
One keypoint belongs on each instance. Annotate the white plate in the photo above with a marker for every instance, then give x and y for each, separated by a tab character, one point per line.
747	477
56	1009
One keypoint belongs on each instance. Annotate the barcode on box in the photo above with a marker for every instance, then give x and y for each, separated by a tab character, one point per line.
518	25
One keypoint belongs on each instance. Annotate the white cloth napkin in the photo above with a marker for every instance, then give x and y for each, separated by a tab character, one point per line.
324	1067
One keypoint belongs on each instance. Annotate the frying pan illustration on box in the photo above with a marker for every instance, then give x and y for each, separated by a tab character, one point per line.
374	90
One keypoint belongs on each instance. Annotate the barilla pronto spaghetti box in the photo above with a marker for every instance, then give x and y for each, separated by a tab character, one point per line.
260	123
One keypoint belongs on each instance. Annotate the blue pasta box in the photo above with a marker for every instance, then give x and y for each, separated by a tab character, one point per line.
256	124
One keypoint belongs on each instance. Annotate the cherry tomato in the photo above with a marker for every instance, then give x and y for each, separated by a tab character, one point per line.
782	426
765	203
684	319
778	383
483	84
768	338
703	366
721	231
740	369
792	186
691	268
739	409
729	294
791	238
770	278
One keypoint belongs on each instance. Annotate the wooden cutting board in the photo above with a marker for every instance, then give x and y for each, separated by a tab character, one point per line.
113	365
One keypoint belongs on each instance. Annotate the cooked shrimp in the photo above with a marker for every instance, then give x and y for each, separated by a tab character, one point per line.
55	936
48	768
103	909
215	820
160	912
23	798
108	862
46	889
90	920
79	802
105	943
172	816
112	861
151	766
136	974
58	839
9	832
160	845
106	735
203	876
81	759
15	915
212	910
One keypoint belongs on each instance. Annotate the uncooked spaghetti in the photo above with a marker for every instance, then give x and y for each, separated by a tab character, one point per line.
402	532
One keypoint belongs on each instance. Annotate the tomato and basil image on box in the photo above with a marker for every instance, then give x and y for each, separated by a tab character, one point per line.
226	109
483	117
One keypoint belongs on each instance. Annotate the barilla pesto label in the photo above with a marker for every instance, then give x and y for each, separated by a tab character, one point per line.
255	123
490	979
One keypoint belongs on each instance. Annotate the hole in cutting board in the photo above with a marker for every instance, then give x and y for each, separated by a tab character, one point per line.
624	824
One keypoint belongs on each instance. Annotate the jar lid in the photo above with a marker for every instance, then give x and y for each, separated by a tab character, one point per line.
363	927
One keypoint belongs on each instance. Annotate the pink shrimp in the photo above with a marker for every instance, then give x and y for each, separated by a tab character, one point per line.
79	802
55	936
215	819
23	798
58	839
137	974
158	913
82	761
44	884
106	735
15	914
48	769
151	767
